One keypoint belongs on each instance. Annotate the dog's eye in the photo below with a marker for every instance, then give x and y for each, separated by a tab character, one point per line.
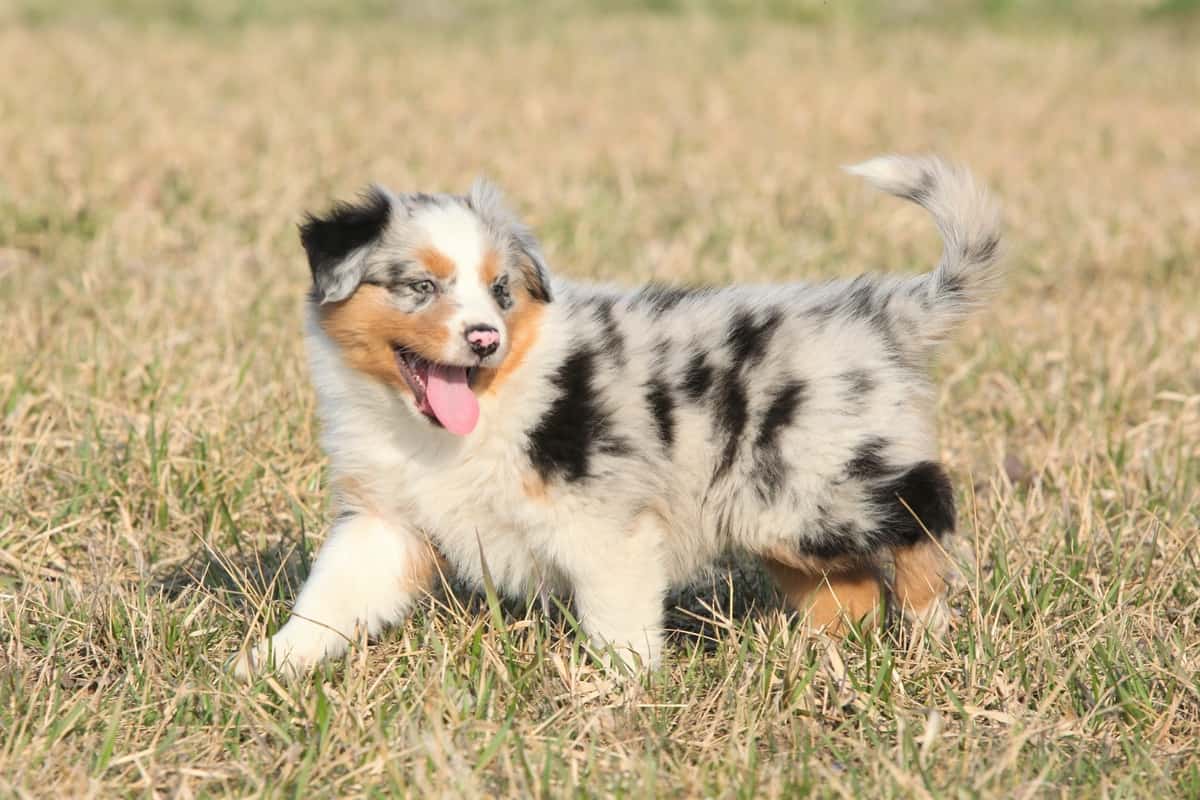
500	291
425	287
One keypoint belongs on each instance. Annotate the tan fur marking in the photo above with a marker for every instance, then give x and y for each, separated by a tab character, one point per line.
524	325
534	487
424	567
489	268
437	262
366	324
920	576
788	556
829	600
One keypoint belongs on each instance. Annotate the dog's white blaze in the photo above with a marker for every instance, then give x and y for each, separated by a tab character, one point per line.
456	233
476	306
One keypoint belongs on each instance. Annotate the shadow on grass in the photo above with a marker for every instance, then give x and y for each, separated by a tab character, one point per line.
241	578
736	590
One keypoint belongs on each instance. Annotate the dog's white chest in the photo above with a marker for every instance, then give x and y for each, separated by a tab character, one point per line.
475	511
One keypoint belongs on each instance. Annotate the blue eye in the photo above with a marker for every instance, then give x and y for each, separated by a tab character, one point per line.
423	287
500	291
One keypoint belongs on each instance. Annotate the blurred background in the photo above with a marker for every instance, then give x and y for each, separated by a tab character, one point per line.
158	462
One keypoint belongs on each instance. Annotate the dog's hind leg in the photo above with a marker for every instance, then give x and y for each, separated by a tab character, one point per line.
920	584
829	596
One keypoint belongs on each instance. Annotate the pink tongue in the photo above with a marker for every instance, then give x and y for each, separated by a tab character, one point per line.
451	399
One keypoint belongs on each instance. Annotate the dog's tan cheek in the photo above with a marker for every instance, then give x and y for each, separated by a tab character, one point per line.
425	333
365	325
524	326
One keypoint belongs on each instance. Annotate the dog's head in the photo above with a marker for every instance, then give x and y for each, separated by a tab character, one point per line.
437	296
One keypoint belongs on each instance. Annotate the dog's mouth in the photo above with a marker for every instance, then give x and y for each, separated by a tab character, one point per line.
442	391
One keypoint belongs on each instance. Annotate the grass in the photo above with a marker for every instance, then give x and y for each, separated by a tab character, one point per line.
161	487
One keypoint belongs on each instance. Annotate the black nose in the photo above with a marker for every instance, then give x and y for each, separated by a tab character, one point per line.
483	339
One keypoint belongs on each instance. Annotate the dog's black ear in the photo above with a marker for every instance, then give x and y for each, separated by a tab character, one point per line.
488	202
336	243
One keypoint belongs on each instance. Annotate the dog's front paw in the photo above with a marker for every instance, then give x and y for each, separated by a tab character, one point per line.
244	664
934	619
282	655
629	656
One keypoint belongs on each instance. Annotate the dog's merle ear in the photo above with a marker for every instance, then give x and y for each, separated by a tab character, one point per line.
336	243
486	200
533	265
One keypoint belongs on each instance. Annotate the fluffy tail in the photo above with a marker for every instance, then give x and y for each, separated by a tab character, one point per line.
969	220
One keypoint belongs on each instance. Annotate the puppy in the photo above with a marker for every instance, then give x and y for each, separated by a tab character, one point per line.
607	444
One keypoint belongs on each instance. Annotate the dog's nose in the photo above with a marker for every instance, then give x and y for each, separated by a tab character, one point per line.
483	339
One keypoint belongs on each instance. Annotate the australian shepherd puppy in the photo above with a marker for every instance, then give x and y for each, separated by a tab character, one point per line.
609	444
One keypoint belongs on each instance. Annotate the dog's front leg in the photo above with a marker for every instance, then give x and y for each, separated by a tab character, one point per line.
367	575
620	581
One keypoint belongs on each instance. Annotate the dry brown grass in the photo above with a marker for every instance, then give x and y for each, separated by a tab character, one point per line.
158	469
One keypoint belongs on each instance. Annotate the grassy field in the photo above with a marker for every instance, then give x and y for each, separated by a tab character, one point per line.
161	487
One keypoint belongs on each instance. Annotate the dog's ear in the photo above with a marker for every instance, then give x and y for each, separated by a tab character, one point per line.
486	200
337	243
533	267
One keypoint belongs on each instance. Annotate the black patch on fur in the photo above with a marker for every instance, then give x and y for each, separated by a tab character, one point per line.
781	412
575	425
662	411
904	505
415	200
866	300
986	250
857	386
660	299
732	413
919	499
614	340
348	226
697	377
860	298
833	540
748	338
770	470
951	286
867	463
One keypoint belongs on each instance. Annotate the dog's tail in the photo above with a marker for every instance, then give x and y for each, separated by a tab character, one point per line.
969	220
